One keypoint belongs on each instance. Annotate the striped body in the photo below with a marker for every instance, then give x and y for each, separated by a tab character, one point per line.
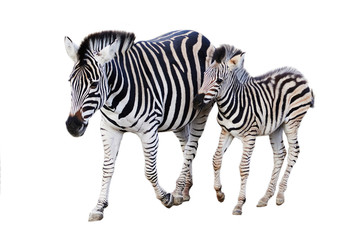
248	107
156	82
264	102
144	88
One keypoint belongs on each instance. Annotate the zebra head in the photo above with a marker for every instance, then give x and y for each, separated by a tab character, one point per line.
225	60
88	81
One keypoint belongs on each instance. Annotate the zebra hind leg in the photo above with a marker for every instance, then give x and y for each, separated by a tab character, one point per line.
290	129
277	144
191	133
183	136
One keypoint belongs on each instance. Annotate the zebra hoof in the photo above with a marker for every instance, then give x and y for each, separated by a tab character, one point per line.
168	200
238	209
262	203
220	196
186	198
280	199
237	212
96	216
178	200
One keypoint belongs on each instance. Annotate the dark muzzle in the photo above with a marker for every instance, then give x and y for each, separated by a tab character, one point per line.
199	101
75	127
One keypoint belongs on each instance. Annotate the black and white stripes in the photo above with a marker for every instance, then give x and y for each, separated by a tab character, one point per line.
251	106
145	88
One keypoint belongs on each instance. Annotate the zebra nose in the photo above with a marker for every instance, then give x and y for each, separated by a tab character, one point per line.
199	101
75	127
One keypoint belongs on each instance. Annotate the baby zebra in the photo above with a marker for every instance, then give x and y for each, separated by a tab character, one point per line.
253	106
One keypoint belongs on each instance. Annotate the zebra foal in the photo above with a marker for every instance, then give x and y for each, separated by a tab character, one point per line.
270	104
143	88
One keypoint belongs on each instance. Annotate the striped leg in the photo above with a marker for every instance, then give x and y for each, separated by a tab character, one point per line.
291	134
224	142
111	141
248	147
183	136
192	134
276	140
150	143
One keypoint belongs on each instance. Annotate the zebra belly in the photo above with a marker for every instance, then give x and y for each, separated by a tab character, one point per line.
142	124
128	123
258	128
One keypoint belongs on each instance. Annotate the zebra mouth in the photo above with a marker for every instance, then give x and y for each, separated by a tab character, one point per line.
75	127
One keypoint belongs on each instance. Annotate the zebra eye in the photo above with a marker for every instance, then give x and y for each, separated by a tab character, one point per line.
219	80
93	85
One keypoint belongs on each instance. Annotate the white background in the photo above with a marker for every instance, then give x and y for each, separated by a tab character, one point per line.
50	181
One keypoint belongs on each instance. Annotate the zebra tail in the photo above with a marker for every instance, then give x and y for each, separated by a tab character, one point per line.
312	104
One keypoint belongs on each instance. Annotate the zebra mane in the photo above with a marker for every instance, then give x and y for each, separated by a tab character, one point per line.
225	53
278	71
97	41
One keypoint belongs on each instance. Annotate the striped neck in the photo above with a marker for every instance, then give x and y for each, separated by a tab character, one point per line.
241	76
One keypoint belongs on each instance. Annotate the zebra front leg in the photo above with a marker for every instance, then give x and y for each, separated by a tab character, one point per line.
277	144
111	141
224	142
294	150
248	147
150	143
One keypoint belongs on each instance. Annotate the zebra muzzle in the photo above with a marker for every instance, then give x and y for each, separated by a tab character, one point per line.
75	127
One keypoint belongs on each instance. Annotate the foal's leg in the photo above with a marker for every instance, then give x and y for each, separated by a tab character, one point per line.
248	147
224	142
276	140
290	129
111	140
150	141
192	134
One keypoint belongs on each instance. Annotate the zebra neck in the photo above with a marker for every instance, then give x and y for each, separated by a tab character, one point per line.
233	92
241	77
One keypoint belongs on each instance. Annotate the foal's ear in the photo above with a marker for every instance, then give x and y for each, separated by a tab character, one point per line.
236	61
106	54
71	49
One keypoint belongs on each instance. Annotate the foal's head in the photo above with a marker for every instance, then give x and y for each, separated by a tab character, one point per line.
225	60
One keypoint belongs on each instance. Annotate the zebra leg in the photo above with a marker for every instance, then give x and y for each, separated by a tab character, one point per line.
192	133
183	136
276	140
111	142
150	142
294	150
224	142
248	147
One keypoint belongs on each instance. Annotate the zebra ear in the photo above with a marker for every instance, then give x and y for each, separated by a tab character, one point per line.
106	54
236	61
71	49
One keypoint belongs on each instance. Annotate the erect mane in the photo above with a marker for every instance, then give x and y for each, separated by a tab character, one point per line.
225	53
97	41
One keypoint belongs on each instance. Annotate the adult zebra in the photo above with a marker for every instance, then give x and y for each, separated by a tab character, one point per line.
145	88
248	107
